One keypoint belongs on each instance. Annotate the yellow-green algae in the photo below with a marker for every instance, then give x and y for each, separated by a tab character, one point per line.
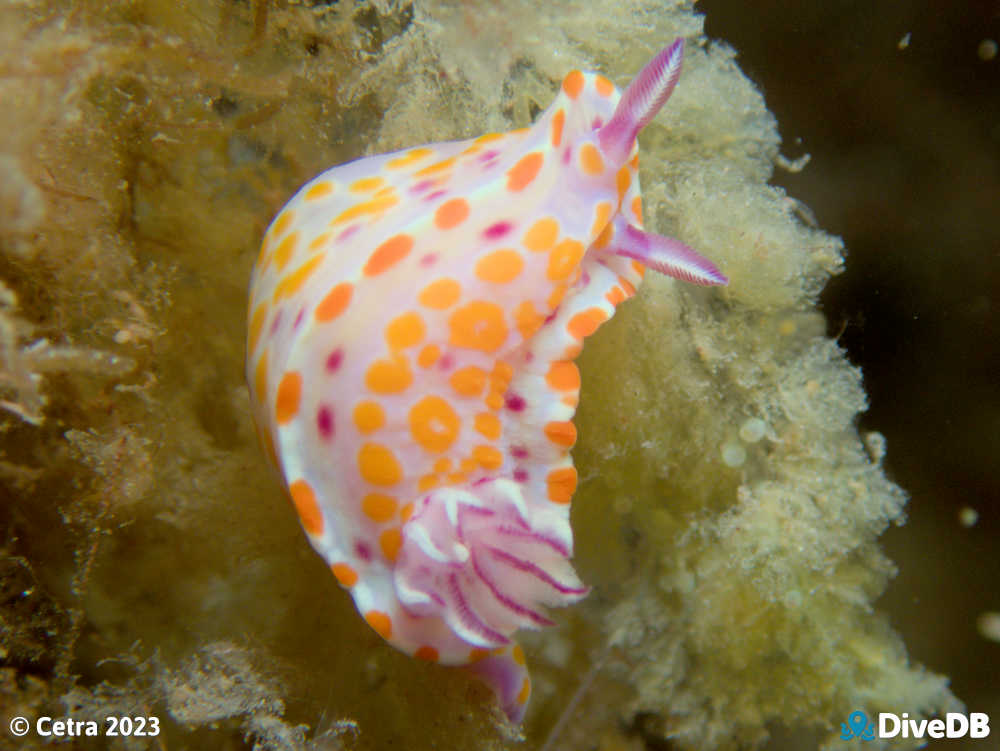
151	566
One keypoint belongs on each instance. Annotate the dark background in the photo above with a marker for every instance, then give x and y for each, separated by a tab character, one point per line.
905	147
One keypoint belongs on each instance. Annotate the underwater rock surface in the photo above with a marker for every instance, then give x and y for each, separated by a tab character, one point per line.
728	510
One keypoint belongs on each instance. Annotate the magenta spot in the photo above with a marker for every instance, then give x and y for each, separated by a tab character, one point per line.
567	154
436	195
429	259
447	362
487	156
519	452
550	317
598	122
498	230
585	278
521	475
276	323
298	318
324	423
529	356
421	186
334	360
348	232
362	550
514	402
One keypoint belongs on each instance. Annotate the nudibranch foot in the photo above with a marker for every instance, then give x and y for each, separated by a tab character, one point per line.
505	671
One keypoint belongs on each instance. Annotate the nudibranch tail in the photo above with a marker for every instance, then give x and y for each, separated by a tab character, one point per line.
505	671
643	98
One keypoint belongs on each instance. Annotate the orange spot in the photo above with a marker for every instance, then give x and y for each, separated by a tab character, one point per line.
518	654
591	160
557	296
521	174
366	184
427	482
304	500
527	319
391	541
440	294
562	484
500	266
606	236
563	259
502	372
604	86
525	692
637	208
282	223
442	465
561	433
627	286
542	235
388	254
494	400
468	465
411	156
573	84
436	167
260	378
406	330
366	207
283	253
585	323
426	653
469	381
378	507
488	457
380	622
572	351
558	120
406	512
389	376
369	416
563	376
602	215
428	355
451	213
639	269
346	575
488	137
478	325
378	465
294	281
319	190
488	425
433	423
256	327
457	478
286	405
615	296
319	241
478	653
335	302
622	180
570	400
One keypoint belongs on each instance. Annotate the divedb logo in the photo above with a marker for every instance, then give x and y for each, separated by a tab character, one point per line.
890	725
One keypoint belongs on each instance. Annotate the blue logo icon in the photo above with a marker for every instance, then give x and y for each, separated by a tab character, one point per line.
857	726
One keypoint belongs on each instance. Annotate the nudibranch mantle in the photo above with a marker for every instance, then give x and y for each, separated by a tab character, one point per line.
414	319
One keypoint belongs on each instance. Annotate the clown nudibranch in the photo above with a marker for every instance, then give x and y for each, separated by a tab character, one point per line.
414	319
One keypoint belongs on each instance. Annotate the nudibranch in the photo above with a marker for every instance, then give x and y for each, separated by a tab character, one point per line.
414	319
